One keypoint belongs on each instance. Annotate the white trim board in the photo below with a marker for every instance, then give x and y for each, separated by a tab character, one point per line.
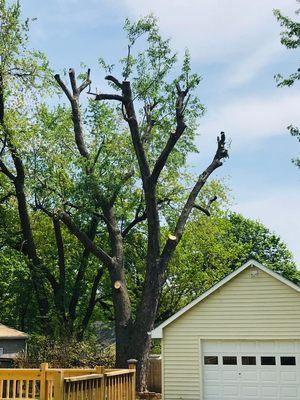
157	333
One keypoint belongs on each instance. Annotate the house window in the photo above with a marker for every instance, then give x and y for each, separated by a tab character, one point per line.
248	360
229	360
288	360
211	360
268	360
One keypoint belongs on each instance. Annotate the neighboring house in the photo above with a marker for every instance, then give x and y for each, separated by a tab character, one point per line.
238	341
12	343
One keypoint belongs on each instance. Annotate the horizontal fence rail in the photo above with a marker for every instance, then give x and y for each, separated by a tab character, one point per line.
20	384
67	384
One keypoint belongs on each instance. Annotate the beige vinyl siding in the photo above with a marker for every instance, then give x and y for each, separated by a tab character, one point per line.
244	308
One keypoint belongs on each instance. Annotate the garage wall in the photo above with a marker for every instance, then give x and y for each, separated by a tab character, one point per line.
245	308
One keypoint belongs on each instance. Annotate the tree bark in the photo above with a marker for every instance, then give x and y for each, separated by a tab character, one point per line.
30	250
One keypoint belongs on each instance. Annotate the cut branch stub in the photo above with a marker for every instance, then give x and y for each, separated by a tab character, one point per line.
172	237
117	285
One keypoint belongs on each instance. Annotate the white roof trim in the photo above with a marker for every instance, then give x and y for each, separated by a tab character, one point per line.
157	333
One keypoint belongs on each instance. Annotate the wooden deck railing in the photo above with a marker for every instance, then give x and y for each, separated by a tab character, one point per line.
67	384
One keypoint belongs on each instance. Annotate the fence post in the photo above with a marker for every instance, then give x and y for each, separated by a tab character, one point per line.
102	394
43	381
132	365
59	385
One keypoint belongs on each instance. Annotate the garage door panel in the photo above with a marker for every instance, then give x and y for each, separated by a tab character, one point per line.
249	391
268	391
212	377
249	347
275	377
229	375
289	392
266	346
212	392
269	376
288	376
249	376
288	347
230	390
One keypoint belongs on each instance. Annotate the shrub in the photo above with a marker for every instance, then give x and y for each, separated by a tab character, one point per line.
68	353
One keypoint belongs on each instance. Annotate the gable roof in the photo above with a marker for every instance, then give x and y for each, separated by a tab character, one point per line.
157	333
11	333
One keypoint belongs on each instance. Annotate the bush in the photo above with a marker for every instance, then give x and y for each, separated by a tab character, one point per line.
68	353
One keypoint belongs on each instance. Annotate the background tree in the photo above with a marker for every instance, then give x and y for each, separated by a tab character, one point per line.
56	263
290	38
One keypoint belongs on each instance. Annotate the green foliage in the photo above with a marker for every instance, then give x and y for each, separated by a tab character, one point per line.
66	353
23	71
290	38
15	286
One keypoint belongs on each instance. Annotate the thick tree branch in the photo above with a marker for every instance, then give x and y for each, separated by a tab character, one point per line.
114	233
174	137
106	96
29	247
63	87
85	240
175	238
133	223
74	101
91	233
60	252
92	302
150	122
1	99
141	217
114	80
73	82
135	134
103	96
6	171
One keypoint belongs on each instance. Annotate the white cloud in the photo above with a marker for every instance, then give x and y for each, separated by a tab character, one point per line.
250	66
216	30
280	212
247	120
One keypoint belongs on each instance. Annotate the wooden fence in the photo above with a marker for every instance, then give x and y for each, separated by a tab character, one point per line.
154	374
67	384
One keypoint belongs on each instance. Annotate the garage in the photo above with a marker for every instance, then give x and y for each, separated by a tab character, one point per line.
240	340
260	370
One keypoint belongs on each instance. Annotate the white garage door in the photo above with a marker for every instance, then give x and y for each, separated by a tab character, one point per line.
248	370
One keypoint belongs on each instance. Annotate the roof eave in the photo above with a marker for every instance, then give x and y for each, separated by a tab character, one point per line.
14	337
156	333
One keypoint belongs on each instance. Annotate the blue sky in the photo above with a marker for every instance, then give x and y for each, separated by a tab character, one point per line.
235	46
